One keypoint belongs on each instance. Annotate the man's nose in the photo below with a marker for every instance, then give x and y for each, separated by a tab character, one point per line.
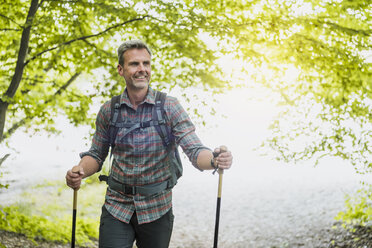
141	67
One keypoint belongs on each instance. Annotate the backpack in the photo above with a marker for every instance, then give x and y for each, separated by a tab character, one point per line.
158	120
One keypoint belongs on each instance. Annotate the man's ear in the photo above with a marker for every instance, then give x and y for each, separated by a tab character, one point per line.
120	70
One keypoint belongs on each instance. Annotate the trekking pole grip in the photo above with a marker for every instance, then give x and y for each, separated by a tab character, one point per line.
222	149
75	169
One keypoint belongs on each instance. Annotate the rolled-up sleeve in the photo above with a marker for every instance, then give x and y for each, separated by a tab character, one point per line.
184	130
100	142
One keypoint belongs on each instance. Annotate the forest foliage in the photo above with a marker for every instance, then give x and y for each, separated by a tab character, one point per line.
59	57
46	46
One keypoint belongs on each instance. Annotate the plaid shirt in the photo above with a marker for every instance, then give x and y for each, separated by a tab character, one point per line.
137	160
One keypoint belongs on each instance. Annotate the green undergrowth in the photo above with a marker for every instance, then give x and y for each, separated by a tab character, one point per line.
45	212
358	210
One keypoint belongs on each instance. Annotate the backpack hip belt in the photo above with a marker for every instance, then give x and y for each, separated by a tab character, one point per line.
147	190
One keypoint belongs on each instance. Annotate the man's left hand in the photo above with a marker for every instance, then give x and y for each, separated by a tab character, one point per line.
224	159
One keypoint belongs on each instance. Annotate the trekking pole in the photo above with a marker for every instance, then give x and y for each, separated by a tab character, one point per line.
220	174
75	169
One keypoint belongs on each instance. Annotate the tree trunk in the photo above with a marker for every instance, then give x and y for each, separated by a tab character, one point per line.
17	77
3	108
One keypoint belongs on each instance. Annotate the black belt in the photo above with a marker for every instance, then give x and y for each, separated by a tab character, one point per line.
148	189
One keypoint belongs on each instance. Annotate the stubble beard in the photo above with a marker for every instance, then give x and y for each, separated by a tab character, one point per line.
139	85
136	84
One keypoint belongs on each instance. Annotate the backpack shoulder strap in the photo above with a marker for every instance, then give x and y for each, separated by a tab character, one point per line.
115	111
115	106
165	132
112	129
158	115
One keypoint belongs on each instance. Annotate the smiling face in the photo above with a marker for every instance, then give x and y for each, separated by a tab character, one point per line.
136	69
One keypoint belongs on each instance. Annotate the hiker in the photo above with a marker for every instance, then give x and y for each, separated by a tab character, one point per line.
143	128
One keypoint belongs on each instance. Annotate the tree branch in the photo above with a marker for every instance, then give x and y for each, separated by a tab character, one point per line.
321	20
350	31
10	29
16	125
4	158
23	121
338	51
84	37
64	87
11	20
98	49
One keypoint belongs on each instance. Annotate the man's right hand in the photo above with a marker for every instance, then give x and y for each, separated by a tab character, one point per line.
74	177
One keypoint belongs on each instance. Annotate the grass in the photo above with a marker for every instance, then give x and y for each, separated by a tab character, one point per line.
45	212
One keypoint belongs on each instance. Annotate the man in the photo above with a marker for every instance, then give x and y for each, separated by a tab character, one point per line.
140	160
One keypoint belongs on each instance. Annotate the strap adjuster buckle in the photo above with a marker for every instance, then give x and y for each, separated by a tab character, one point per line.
129	190
145	124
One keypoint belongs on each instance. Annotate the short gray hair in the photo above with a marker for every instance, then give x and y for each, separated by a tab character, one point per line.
131	44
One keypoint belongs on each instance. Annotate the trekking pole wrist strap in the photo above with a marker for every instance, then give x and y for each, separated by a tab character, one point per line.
214	166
